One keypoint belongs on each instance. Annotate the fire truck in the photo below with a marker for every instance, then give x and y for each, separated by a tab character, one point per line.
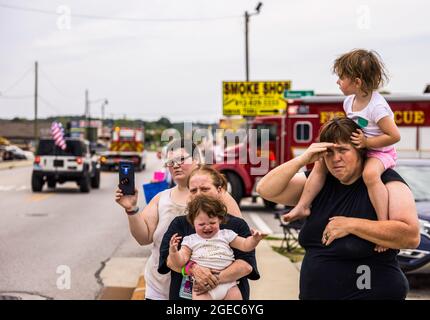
125	144
291	134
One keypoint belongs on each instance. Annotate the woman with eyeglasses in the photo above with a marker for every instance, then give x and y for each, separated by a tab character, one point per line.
200	279
149	225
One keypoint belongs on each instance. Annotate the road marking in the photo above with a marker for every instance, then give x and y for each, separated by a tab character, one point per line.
260	224
39	197
13	188
6	188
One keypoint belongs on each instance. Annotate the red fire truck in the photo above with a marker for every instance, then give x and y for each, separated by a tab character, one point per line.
292	133
125	144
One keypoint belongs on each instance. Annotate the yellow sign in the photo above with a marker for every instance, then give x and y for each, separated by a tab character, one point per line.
254	98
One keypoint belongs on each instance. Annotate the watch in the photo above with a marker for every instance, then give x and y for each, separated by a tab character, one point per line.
133	211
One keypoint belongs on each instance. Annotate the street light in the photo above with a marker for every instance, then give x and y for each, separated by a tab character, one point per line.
247	16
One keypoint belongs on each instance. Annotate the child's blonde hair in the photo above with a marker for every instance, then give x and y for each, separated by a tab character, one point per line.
362	64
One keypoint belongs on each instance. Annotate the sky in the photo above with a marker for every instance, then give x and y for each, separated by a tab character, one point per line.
155	58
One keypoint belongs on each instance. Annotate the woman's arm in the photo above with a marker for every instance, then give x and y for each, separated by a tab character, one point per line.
400	232
237	270
143	224
284	184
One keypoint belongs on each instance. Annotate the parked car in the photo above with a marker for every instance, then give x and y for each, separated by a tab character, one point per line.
13	153
54	165
416	172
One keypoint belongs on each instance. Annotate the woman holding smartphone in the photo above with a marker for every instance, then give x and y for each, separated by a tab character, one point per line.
149	225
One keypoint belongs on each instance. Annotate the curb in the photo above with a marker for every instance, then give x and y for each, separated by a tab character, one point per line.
139	291
15	164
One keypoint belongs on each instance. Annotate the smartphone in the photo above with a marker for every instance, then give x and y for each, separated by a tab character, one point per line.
126	177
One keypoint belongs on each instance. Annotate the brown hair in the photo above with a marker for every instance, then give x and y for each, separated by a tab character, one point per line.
339	130
210	205
362	64
217	177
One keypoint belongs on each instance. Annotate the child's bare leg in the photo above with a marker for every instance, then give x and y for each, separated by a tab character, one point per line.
313	186
203	296
233	294
378	193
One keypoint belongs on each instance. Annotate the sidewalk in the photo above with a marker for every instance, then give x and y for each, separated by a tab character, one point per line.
15	164
279	277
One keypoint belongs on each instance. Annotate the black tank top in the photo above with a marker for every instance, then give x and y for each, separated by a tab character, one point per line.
332	272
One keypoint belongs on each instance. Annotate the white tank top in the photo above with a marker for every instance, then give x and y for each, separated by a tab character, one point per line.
157	285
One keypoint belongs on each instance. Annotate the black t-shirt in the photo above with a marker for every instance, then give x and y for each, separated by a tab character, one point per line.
332	272
181	226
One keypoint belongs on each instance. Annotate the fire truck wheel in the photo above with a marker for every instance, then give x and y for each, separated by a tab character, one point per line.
234	186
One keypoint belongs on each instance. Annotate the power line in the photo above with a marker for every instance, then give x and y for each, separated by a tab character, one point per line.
27	96
46	77
13	85
128	19
48	104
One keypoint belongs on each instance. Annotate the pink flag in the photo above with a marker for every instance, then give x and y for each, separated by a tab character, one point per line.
57	133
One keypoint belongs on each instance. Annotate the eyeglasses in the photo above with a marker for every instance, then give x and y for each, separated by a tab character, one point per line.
179	161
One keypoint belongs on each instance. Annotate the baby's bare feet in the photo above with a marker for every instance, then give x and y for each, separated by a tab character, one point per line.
298	212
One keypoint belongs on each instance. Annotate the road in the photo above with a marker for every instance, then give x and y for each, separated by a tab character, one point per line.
42	232
45	236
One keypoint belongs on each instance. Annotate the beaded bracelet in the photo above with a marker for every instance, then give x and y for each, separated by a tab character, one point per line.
188	267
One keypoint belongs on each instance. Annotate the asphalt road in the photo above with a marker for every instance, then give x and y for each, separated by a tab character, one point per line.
44	236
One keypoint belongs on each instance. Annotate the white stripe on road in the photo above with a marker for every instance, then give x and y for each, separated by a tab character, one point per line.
260	224
13	188
6	188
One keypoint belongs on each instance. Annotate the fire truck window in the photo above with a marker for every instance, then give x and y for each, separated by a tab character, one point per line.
272	128
303	132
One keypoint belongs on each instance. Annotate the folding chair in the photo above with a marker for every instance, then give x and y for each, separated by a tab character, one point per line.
291	231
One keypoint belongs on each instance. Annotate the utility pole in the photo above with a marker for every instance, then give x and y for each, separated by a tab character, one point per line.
36	126
246	46
87	113
247	16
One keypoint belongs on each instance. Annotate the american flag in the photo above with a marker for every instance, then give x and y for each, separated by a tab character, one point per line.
57	133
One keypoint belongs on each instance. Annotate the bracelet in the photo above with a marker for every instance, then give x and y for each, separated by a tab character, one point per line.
188	267
183	272
132	211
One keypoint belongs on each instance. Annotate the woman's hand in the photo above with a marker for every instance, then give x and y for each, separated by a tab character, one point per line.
174	242
127	202
315	152
204	277
337	228
359	139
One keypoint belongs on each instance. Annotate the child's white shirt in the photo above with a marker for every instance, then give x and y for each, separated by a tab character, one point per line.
214	253
377	109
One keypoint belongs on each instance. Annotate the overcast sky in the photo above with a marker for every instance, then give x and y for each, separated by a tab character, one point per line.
173	63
